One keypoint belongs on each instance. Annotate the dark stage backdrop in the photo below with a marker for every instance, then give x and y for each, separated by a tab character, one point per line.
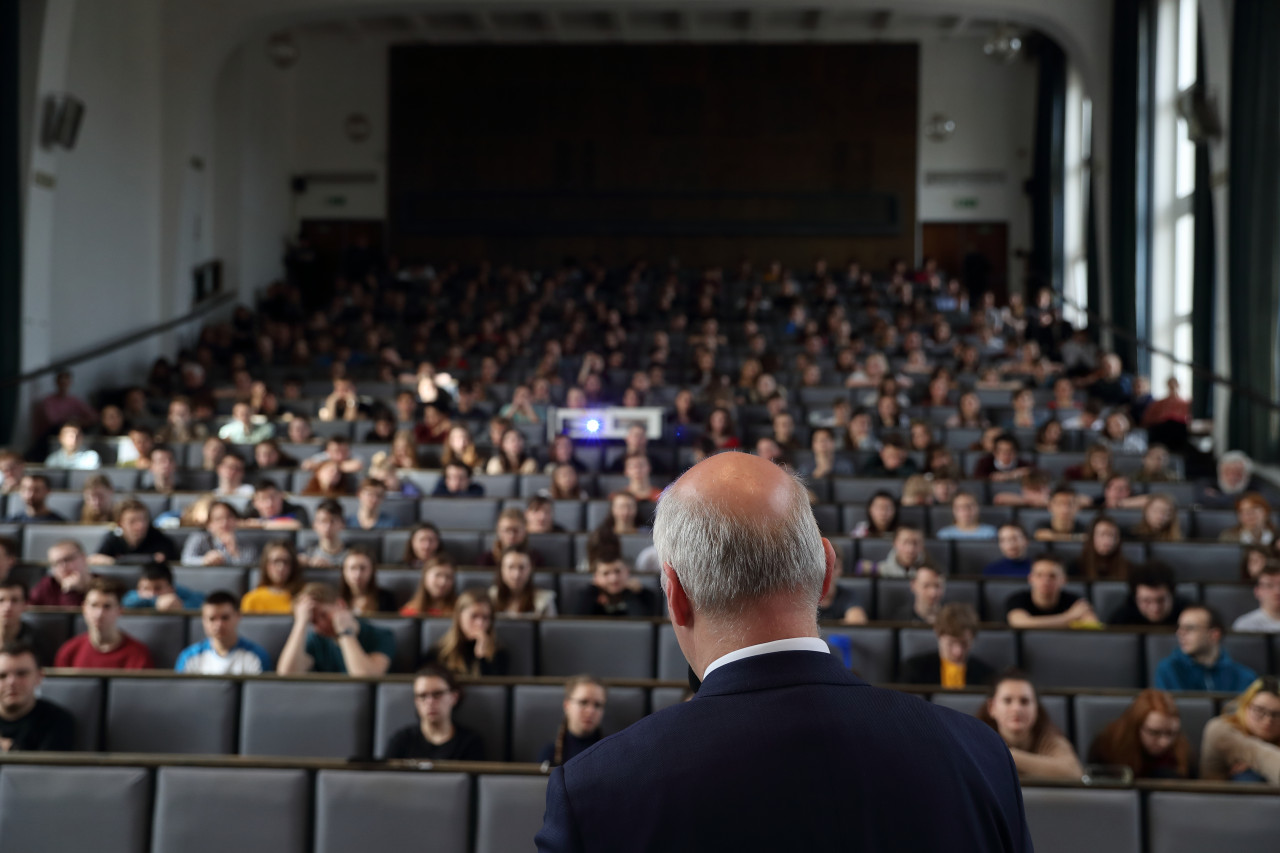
708	153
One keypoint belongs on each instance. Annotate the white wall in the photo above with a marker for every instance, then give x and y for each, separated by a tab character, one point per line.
993	107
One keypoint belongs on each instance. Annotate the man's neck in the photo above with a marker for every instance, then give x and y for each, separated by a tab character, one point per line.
1045	603
1208	658
222	648
437	733
105	642
712	642
10	630
17	713
928	614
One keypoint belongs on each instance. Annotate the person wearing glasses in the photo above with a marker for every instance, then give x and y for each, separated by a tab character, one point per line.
436	737
1147	738
1243	745
1200	662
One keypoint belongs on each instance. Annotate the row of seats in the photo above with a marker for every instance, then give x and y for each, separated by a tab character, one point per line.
127	808
327	718
639	648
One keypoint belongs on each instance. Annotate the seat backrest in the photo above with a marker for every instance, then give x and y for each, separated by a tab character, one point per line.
112	807
1230	600
555	549
1180	822
509	811
994	595
1091	714
295	718
459	513
1066	820
672	665
50	631
207	579
189	716
1082	659
483	709
82	698
362	810
1204	562
463	546
165	634
874	650
406	634
271	631
37	539
498	485
538	709
216	809
608	648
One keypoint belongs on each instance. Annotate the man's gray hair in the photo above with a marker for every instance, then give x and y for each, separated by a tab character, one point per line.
725	560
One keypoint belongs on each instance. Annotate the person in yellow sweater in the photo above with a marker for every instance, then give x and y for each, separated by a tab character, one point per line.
280	577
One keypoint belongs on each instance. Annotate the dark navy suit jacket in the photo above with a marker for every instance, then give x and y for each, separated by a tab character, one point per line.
790	751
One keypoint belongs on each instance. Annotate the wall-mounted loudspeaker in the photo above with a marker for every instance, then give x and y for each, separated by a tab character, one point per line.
62	116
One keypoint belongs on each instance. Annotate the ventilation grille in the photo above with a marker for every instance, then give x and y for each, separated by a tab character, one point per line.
969	178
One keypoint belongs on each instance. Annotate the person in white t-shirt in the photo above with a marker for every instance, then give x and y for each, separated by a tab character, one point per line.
223	651
1266	587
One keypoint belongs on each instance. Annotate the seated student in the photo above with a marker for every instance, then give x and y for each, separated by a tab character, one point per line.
928	586
156	590
279	577
1102	558
1045	604
891	461
436	737
360	588
68	579
135	538
99	500
612	593
12	467
1003	463
13	603
470	646
1255	527
1152	599
539	516
242	428
1200	662
513	592
906	555
1159	522
222	651
826	463
1013	562
951	666
584	701
328	551
1147	738
437	589
1063	525
881	518
269	510
230	471
10	551
219	544
510	532
327	637
103	645
34	489
456	483
1266	588
964	509
423	544
838	604
1243	745
1039	750
369	514
71	452
28	723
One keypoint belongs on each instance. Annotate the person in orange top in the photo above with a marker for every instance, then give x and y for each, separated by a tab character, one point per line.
952	665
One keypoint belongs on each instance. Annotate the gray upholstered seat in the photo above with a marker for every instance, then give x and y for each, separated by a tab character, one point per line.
1193	823
248	810
105	809
874	651
82	698
509	812
190	716
459	513
297	718
608	648
388	811
1082	658
1066	820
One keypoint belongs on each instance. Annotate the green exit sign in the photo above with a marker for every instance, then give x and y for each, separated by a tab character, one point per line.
965	203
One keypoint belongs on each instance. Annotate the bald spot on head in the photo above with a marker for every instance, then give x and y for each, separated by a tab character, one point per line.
740	484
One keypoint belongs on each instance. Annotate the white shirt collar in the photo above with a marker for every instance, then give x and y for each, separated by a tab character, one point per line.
792	644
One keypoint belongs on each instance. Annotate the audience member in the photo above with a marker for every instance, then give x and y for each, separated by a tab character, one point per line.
436	737
513	592
881	517
157	591
219	544
612	591
456	483
951	666
965	511
13	603
135	538
928	586
437	589
103	645
584	703
1266	588
1159	522
422	545
539	516
470	646
1102	558
838	603
359	587
327	637
1254	525
1034	490
222	651
1012	541
1243	744
1063	525
71	452
34	492
1039	750
12	468
1152	598
10	551
270	511
68	579
27	722
1003	463
99	501
279	578
369	514
230	470
891	461
1200	662
906	555
1147	738
329	550
1045	603
510	532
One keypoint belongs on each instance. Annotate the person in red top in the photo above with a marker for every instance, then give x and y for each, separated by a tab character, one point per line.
68	577
103	645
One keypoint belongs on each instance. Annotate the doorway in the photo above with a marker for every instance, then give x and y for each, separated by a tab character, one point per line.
975	252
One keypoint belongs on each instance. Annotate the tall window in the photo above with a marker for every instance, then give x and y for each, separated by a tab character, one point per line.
1076	149
1174	182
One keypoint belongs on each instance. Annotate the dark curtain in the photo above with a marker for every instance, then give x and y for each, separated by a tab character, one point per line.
1132	57
1204	272
10	229
1046	262
1253	250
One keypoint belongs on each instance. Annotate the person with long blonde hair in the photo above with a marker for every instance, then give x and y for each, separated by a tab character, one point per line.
584	702
1147	738
1243	744
470	646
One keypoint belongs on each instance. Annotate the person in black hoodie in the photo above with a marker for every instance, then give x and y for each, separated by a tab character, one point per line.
1152	599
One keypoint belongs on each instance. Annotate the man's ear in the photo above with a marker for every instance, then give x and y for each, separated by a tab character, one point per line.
830	554
677	601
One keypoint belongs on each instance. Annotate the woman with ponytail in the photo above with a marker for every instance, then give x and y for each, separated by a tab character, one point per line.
584	699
